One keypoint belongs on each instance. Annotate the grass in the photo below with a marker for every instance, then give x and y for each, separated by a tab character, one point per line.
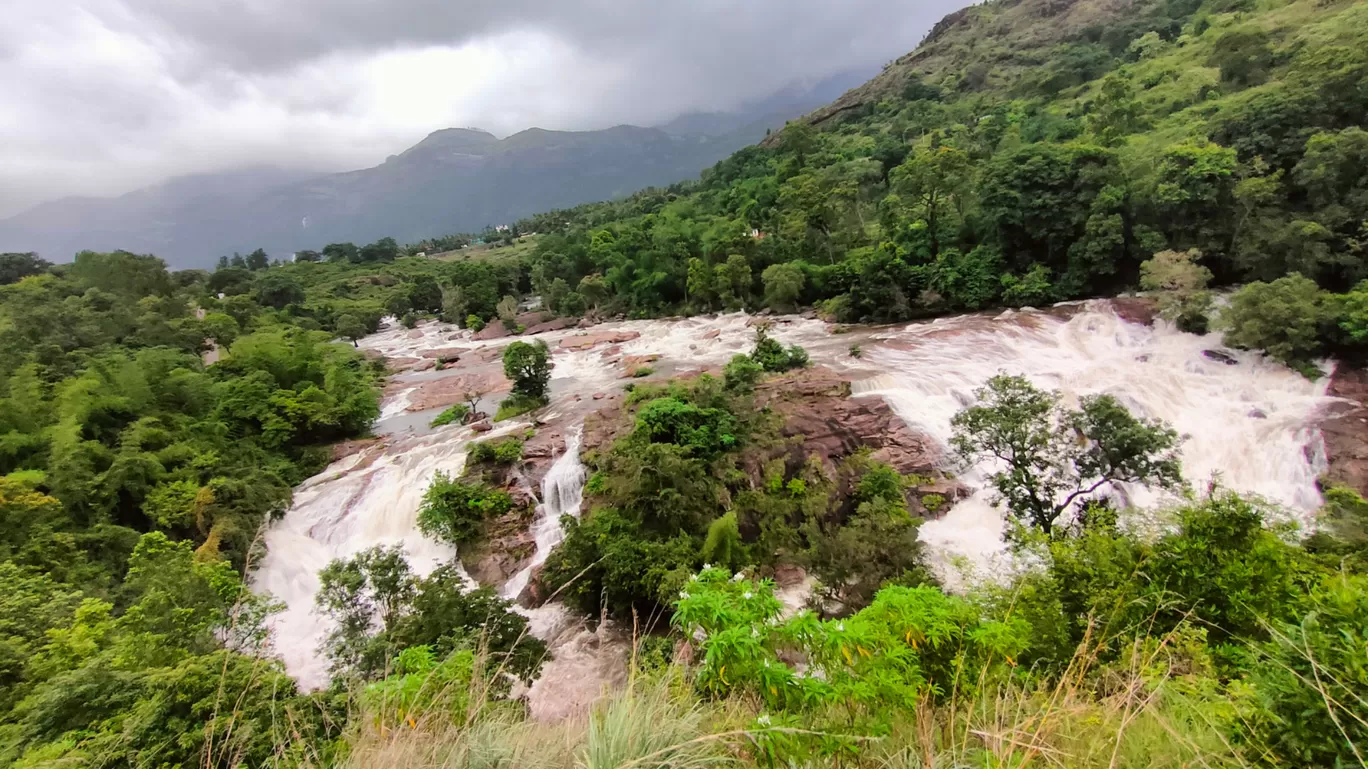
1142	712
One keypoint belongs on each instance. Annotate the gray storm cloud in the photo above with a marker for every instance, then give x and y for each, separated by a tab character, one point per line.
101	96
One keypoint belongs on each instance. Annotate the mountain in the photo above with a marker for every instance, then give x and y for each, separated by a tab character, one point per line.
455	180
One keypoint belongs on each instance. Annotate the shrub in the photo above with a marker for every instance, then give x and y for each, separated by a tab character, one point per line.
409	320
474	323
504	452
706	432
773	356
455	414
1282	318
517	405
454	510
642	371
741	373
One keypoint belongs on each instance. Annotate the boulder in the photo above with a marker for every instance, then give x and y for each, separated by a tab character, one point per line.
581	342
555	324
1220	357
630	363
713	334
1344	429
414	334
444	353
1136	309
817	409
494	330
482	426
452	389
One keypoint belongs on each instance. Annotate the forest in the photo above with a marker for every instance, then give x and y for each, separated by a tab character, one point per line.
1212	154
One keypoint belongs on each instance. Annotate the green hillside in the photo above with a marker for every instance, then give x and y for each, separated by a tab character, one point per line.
1027	152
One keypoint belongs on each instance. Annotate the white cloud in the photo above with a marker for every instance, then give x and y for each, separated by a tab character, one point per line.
102	96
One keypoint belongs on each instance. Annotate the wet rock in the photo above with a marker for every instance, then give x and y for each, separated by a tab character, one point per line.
610	351
1220	357
452	389
414	334
423	365
581	342
1344	429
444	353
817	409
345	449
488	354
598	396
631	363
493	330
1136	309
508	545
712	334
555	324
1142	358
482	427
1257	414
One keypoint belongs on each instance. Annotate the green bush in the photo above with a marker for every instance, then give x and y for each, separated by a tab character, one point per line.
705	432
1282	318
454	414
474	323
500	452
773	356
741	373
455	510
642	371
517	405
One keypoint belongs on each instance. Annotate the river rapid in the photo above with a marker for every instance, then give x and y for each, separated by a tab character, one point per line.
1248	424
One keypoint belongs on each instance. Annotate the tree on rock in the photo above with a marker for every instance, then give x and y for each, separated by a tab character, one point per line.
1049	458
528	365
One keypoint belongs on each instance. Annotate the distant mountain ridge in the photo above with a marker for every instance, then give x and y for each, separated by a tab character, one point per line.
454	180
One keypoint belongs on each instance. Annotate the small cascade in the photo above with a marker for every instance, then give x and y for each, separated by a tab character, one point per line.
562	491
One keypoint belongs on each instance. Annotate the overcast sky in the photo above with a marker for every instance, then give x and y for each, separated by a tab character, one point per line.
103	96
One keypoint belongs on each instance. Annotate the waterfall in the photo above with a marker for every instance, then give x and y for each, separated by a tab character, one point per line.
1249	420
562	491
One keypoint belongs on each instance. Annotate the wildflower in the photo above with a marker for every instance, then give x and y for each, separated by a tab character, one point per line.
763	720
840	626
740	575
683	594
747	595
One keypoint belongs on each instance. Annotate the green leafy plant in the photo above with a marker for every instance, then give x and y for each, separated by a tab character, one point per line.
454	414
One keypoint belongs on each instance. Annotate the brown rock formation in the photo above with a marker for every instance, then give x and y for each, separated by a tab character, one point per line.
630	363
452	389
1136	309
555	324
581	342
1345	430
494	330
347	448
817	408
444	353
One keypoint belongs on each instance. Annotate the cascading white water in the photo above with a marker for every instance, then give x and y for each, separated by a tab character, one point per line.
1250	425
1253	422
562	491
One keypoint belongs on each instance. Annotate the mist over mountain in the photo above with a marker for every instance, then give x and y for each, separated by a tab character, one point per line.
454	180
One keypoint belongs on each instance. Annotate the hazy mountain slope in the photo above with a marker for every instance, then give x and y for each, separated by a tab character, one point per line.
454	180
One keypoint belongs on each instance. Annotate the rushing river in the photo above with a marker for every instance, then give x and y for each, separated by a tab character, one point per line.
1248	424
